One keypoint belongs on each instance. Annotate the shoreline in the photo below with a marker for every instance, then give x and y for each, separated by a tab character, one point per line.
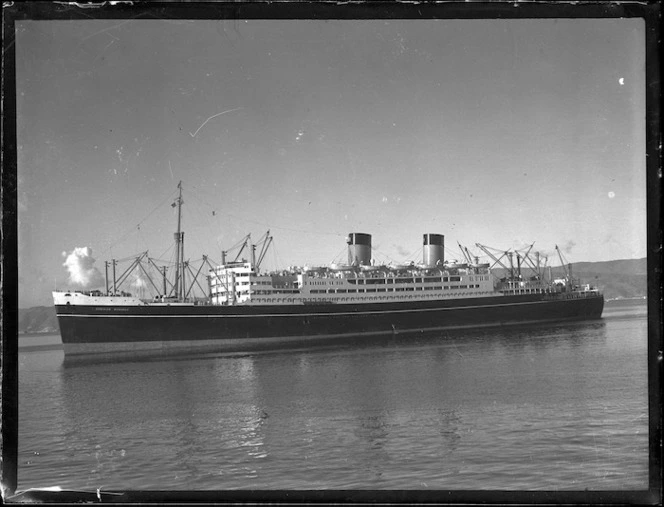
36	334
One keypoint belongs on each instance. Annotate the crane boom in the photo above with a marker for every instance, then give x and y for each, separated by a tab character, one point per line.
526	258
244	245
266	245
464	253
495	259
469	257
562	262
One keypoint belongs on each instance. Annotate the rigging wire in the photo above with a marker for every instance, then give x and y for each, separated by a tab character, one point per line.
338	255
269	226
383	254
129	257
277	258
204	209
110	247
415	254
292	229
171	261
207	210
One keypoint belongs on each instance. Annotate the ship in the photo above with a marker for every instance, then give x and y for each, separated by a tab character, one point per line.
244	307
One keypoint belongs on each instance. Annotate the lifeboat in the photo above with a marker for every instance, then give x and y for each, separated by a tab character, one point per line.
371	268
314	269
341	267
401	267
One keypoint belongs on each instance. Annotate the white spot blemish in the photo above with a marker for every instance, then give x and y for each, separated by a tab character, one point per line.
621	81
612	195
384	199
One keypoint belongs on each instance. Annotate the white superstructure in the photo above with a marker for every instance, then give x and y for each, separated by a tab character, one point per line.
239	283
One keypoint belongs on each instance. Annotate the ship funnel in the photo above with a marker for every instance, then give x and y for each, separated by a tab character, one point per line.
359	249
434	248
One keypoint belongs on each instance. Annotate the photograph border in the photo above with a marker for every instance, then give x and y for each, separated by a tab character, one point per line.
15	12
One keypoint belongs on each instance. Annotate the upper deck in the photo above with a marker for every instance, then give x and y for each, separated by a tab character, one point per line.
240	284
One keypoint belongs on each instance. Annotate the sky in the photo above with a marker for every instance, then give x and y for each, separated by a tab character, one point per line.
499	132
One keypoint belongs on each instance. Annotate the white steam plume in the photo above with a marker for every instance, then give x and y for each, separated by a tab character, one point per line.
139	282
82	272
568	247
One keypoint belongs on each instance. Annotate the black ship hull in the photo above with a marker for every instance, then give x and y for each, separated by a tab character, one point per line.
89	329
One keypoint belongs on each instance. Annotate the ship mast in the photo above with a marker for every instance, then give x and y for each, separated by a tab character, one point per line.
567	268
179	248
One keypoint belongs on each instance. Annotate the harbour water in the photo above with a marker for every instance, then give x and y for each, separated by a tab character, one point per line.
561	407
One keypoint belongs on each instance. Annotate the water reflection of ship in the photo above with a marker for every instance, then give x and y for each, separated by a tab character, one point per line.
176	406
523	337
253	407
373	429
449	423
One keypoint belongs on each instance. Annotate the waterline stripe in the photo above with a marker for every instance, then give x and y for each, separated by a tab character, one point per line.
324	314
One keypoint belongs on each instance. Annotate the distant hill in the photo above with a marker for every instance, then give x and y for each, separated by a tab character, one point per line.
625	278
617	285
38	319
625	266
617	279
